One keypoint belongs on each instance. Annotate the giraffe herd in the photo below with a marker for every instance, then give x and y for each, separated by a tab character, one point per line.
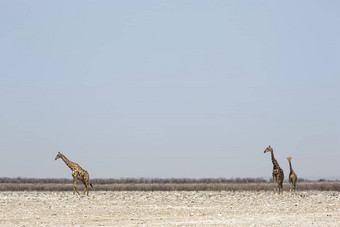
278	174
79	173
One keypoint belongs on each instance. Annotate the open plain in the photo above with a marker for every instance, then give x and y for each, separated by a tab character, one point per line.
184	208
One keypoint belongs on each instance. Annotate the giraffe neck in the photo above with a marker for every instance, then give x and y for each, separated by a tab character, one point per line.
275	163
290	166
67	162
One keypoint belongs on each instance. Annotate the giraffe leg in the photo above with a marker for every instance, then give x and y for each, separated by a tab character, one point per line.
293	187
278	185
86	188
280	180
75	186
274	180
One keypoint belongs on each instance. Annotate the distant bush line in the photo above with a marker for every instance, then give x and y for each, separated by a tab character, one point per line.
160	184
134	180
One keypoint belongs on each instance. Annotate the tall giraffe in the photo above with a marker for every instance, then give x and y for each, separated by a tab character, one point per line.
77	173
292	177
278	174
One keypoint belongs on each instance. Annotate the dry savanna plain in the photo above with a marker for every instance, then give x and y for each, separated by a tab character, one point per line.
170	208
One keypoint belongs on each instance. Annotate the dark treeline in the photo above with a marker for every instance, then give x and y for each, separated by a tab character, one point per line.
160	184
265	186
20	180
177	180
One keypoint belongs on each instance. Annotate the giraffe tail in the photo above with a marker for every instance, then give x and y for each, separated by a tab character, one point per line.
91	185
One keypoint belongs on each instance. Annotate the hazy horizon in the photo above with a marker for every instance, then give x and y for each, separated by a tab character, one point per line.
184	89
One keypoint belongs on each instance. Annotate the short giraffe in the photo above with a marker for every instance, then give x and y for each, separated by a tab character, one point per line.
292	177
77	173
278	174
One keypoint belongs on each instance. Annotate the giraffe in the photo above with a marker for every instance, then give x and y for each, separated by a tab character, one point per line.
77	173
278	174
292	177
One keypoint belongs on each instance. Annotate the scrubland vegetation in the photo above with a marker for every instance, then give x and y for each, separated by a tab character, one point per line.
159	184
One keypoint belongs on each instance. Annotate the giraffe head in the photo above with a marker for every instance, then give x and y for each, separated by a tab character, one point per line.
268	149
289	158
58	156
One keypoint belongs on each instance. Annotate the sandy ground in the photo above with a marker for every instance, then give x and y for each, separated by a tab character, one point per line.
169	209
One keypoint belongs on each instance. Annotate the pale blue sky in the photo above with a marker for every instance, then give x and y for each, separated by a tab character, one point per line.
169	88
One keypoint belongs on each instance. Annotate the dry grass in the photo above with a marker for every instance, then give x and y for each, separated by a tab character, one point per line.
175	184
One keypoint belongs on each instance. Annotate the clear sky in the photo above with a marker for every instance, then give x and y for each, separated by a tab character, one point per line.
169	88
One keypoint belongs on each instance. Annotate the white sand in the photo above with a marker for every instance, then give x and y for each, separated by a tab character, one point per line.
169	209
